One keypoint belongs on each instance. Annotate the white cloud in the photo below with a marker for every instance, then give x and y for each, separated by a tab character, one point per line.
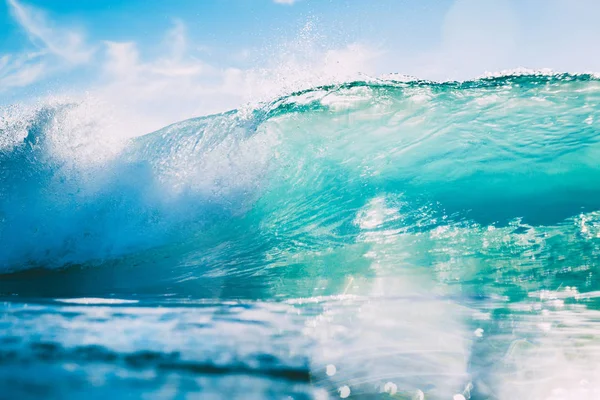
64	43
20	70
150	93
180	85
176	39
56	49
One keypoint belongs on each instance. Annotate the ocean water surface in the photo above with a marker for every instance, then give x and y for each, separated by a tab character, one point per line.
377	239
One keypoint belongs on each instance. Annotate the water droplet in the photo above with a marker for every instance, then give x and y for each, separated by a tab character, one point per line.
545	326
344	391
459	397
330	370
390	388
478	332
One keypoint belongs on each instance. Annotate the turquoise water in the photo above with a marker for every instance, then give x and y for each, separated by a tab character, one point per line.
413	239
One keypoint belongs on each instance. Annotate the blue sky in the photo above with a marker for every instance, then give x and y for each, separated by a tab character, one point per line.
180	58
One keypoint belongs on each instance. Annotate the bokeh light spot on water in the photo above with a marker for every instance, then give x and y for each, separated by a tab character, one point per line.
390	388
331	370
344	391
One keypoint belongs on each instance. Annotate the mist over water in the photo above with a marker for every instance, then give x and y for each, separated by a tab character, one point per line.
366	239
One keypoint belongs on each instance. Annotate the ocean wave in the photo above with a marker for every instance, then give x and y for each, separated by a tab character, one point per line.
252	189
397	236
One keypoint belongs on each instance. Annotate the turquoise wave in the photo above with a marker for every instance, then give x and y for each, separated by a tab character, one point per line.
416	239
305	186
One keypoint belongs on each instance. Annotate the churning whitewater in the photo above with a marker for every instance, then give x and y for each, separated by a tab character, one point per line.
408	238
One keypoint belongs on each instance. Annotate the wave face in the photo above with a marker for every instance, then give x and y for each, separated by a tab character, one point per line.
442	209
